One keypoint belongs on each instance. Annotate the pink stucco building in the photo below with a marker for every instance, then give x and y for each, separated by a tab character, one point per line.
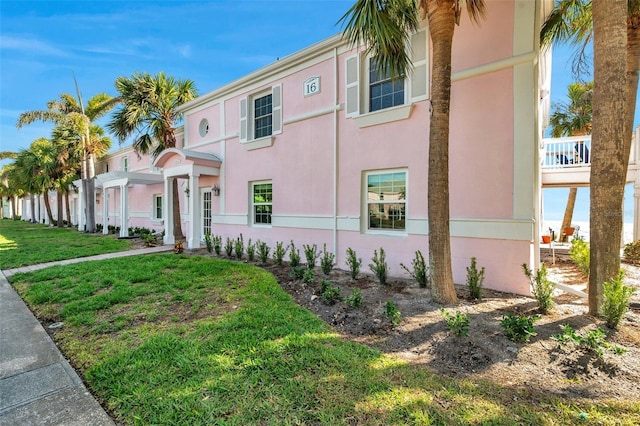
317	148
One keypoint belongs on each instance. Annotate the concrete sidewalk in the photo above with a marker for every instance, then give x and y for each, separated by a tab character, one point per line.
37	384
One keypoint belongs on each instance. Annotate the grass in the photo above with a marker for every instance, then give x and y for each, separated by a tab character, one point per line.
166	339
23	244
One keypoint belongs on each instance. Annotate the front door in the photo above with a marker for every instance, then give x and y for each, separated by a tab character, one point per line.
205	199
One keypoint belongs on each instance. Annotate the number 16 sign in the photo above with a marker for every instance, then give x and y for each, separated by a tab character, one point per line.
312	86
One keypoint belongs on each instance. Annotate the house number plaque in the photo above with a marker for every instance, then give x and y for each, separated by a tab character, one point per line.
312	86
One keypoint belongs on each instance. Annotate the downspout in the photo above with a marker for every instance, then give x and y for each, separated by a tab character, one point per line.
335	152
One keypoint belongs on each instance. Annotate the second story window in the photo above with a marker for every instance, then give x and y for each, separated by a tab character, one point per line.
263	116
384	92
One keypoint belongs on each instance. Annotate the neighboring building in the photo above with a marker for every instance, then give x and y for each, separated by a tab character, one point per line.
319	149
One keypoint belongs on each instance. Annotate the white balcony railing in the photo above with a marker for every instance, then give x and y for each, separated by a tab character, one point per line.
575	151
561	153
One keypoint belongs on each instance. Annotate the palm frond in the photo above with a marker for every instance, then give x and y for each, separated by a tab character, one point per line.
384	28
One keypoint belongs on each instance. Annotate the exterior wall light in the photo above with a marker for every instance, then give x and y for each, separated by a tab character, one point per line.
216	190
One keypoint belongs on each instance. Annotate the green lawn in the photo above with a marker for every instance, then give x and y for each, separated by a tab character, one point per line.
23	244
173	339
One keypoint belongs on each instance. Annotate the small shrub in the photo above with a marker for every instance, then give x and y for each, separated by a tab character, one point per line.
294	255
228	247
379	266
631	252
279	253
217	244
518	328
593	341
311	254
541	287
355	300
324	284
392	313
327	261
331	293
308	276
251	251
458	323
208	242
149	240
616	300
263	251
354	263
297	272
475	278
239	247
579	253
419	270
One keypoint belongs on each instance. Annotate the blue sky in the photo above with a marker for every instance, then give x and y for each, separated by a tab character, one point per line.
43	42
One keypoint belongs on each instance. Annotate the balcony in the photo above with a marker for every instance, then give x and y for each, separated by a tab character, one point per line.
567	161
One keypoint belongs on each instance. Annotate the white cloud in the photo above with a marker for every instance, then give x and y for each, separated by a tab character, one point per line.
29	45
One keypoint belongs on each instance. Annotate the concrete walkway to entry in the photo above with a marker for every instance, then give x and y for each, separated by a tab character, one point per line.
37	384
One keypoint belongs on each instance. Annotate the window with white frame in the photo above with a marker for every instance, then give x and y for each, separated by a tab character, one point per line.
368	90
124	164
261	117
384	91
386	200
157	206
261	202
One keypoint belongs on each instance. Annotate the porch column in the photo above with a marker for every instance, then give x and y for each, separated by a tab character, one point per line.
167	210
124	210
105	210
81	208
193	239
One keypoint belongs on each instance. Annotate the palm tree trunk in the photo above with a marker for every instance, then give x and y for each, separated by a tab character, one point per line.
441	15
59	203
67	207
177	222
568	213
89	191
609	164
47	206
33	208
14	207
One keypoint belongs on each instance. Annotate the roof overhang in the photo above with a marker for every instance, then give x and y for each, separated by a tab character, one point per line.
183	163
119	178
181	156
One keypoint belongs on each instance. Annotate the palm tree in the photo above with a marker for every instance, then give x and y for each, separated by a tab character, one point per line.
384	27
4	189
609	154
37	167
10	187
71	112
571	22
149	114
574	21
573	118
